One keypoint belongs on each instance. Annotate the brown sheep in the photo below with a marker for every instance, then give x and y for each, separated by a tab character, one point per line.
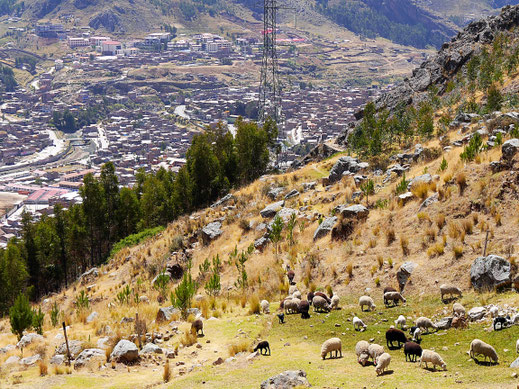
197	326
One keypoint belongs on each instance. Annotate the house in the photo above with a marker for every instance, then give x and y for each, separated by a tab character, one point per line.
78	42
49	30
110	47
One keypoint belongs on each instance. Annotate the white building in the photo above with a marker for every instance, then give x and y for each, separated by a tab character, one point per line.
78	42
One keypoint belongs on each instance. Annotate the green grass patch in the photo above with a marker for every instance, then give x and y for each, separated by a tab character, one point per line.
134	239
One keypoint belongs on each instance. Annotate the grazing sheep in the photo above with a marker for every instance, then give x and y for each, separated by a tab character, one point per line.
281	318
501	323
310	297
400	321
265	306
450	290
304	308
517	346
290	276
515	319
335	302
358	324
389	289
479	347
331	345
432	357
292	289
459	322
382	363
458	310
264	345
366	301
375	351
324	296
320	304
394	297
395	335
197	326
412	350
425	323
417	335
291	306
361	350
296	295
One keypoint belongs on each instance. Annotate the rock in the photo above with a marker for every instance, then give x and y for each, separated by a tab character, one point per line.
444	324
292	193
275	192
29	361
261	243
356	211
285	214
515	364
345	165
223	200
89	276
103	342
219	361
12	360
151	348
428	201
125	351
194	311
286	380
6	349
488	273
406	197
125	320
166	314
325	227
75	347
28	339
144	299
88	355
252	356
423	179
94	315
57	360
272	209
510	149
476	313
211	232
404	272
309	186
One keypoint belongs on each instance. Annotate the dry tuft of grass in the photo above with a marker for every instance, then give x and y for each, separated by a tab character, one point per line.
166	375
468	226
188	339
254	304
58	370
454	230
380	261
241	346
423	216
390	236
436	250
421	190
440	221
404	244
43	368
349	269
497	219
430	234
457	251
461	181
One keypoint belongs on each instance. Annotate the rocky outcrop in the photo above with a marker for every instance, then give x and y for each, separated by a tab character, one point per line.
125	351
275	192
87	356
211	232
476	313
28	339
343	166
166	314
317	154
225	199
510	149
325	227
109	20
404	272
151	348
271	209
286	380
357	211
74	346
488	273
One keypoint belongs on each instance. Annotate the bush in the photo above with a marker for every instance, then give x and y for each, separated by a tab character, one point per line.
20	315
457	251
472	149
184	292
37	320
404	244
402	186
255	308
135	239
241	346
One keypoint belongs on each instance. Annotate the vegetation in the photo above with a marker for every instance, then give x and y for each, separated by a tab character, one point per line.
20	315
184	292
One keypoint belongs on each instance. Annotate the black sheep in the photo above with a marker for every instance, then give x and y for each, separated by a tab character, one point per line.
263	345
304	308
389	289
501	322
412	350
395	335
281	317
310	297
291	275
323	295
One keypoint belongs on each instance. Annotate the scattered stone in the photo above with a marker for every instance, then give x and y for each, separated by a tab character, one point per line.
286	380
89	276
88	355
211	232
223	200
167	313
488	273
28	339
428	201
272	209
127	320
252	356
476	313
444	324
261	243
515	364
12	360
275	192
404	272
423	179
510	149
6	349
125	351
345	165
356	211
292	193
29	361
325	227
151	348
219	361
57	360
309	186
75	347
405	197
93	316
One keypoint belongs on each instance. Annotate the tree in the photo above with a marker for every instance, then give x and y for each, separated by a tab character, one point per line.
110	183
213	286
13	275
271	129
252	149
128	213
275	231
20	315
94	210
184	292
37	320
69	122
30	252
60	226
494	99
425	120
368	188
290	228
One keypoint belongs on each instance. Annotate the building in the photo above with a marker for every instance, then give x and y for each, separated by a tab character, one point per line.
78	42
49	30
110	47
98	40
157	38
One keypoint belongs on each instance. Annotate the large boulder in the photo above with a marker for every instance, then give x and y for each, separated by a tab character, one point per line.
88	355
271	209
211	231
444	323
166	314
476	313
125	351
404	272
286	380
423	179
75	347
428	201
6	349
89	276
29	361
275	192
151	348
510	149
28	339
261	243
356	211
325	227
343	166
490	272
292	193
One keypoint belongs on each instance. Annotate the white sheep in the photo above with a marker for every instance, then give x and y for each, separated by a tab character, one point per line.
450	290
358	324
425	323
331	345
366	301
320	304
432	357
478	347
515	319
291	305
292	289
400	321
334	304
517	346
458	310
417	335
382	363
265	306
296	295
395	297
375	351
361	350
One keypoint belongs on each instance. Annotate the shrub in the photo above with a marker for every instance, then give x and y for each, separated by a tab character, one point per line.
82	301
184	292
402	186
444	165
390	262
55	314
161	284
440	221
43	368
123	297
349	270
472	149
467	226
37	320
377	282
244	225
20	315
255	308
135	239
380	261
461	181
241	346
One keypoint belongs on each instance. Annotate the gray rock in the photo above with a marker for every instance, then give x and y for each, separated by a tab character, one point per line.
57	360
223	200
428	201
309	186
515	364
325	227
252	356
12	360
476	313
28	339
125	351
127	320
194	311
423	179
261	227
510	149
103	342
275	192
444	324
272	209
488	273
93	316
87	355
261	243
29	361
404	272
6	349
75	347
150	348
286	380
166	314
406	197
356	211
89	276
292	193
211	232
344	165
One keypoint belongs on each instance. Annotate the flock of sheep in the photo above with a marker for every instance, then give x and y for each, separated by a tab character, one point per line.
395	337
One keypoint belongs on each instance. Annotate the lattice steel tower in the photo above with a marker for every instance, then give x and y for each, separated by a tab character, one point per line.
269	90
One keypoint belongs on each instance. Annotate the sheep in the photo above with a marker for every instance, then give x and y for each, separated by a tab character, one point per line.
450	290
417	335
501	323
265	306
197	326
394	297
517	346
400	321
264	345
459	322
425	323
358	324
310	297
292	289
290	276
515	319
366	301
361	350
296	295
291	306
304	308
412	350
334	302
389	289
324	296
395	335
382	363
432	357
331	345
458	310
375	351
477	346
281	318
320	304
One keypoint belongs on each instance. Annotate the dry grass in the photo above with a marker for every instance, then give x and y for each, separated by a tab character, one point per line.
461	181
423	216
454	230
390	236
440	221
380	261
468	226
436	250
188	339
421	190
43	368
254	304
430	234
241	346
404	244
349	269
457	251
166	375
